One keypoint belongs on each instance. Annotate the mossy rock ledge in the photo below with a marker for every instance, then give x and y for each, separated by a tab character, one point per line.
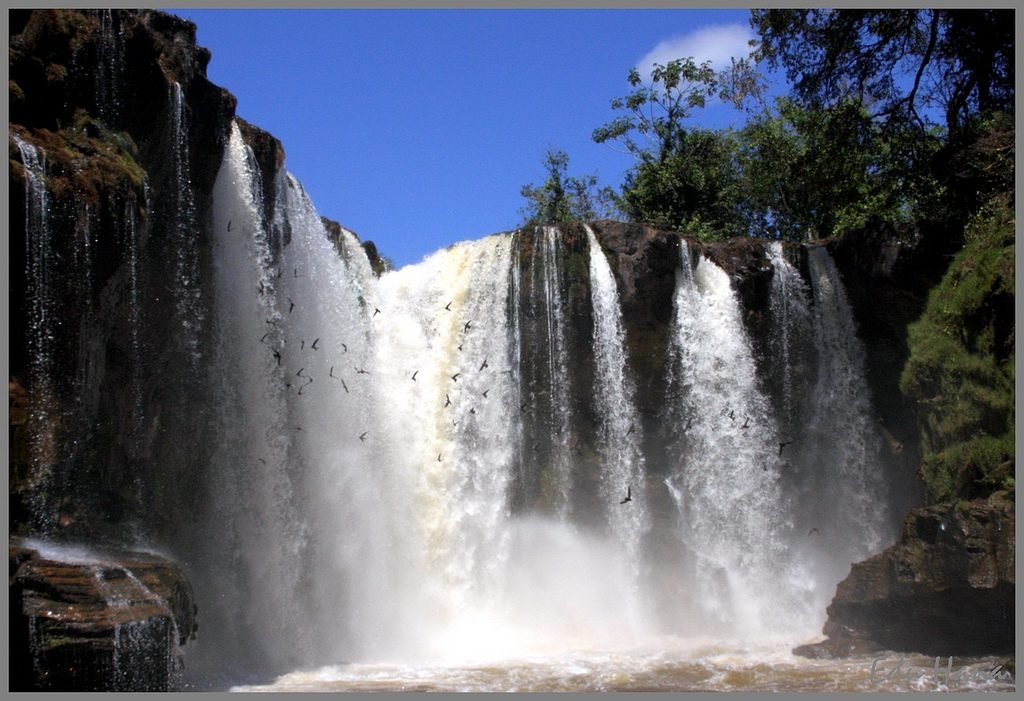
946	588
96	620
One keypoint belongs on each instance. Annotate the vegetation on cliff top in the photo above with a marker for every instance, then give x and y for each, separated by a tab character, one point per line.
961	367
897	119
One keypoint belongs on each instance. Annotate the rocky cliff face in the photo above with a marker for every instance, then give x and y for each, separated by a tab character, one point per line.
117	137
96	621
946	588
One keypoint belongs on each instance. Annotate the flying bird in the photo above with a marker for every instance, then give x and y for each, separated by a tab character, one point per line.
484	365
746	422
331	373
439	457
455	377
448	306
466	327
360	371
486	391
344	348
812	531
277	354
447	401
375	312
783	445
631	429
629	495
362	436
345	386
414	375
291	304
229	225
315	342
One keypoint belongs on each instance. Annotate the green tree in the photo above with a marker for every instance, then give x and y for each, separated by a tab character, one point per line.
684	178
901	62
809	172
564	198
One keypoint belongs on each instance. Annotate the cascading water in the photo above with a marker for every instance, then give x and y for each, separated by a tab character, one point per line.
553	412
188	298
733	515
110	66
839	432
620	441
40	332
371	431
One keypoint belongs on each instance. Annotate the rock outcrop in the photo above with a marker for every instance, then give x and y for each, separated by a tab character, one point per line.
945	588
96	621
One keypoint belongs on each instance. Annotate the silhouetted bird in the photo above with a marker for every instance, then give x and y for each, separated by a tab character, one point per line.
229	225
316	341
296	271
783	445
460	346
812	531
629	495
448	306
291	304
262	460
414	375
344	386
455	377
486	391
299	373
264	336
689	423
522	407
344	348
631	429
375	312
302	344
331	372
360	371
362	436
484	365
447	401
261	287
472	410
732	415
746	422
466	327
277	354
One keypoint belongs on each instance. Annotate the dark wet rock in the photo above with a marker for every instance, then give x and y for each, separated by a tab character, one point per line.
112	621
945	588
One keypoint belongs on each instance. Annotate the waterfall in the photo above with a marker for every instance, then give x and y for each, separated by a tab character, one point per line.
41	320
188	302
840	432
554	418
733	515
110	66
620	431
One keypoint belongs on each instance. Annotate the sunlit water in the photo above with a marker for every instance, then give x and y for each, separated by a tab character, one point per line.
667	665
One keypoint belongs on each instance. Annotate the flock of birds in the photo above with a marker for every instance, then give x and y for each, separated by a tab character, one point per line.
307	380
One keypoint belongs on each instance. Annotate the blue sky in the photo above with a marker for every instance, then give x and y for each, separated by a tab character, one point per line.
417	128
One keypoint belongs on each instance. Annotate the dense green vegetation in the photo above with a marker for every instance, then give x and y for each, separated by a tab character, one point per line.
961	368
895	118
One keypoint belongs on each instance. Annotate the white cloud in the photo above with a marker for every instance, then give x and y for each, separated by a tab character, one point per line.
716	44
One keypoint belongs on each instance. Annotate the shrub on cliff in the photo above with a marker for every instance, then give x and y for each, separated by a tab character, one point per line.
961	366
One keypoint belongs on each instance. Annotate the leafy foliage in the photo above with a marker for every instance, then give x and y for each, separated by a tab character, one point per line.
961	366
898	61
564	198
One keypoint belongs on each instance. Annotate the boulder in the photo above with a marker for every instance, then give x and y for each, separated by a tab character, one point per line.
945	588
86	620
